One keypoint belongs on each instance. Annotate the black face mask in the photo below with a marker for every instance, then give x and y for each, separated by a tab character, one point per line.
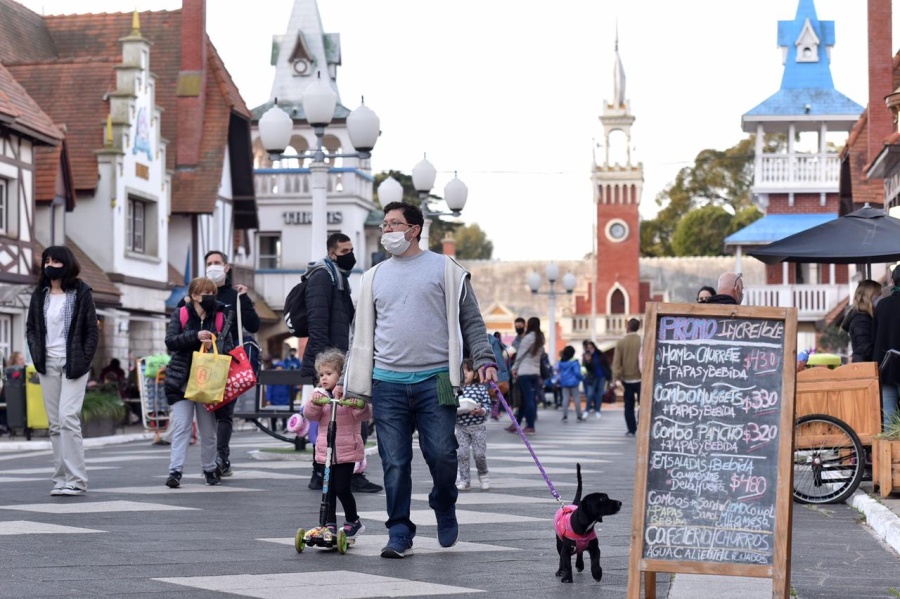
208	303
346	262
519	331
54	272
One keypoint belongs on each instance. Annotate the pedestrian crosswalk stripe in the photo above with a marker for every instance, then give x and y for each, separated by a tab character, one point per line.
185	487
427	518
478	497
369	545
350	585
68	505
26	527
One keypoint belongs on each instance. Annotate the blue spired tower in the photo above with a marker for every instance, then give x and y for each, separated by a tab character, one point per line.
797	185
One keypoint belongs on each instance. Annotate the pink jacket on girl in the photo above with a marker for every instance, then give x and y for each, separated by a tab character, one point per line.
348	440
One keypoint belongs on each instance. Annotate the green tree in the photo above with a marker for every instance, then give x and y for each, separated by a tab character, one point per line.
471	242
701	232
718	178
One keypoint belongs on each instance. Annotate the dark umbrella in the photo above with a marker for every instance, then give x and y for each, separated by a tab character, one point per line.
864	236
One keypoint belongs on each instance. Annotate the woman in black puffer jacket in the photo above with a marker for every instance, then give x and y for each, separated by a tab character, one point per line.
859	321
62	333
191	326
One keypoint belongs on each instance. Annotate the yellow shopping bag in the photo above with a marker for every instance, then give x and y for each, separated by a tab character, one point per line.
209	375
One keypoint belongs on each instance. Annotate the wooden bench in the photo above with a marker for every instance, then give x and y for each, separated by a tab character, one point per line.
262	414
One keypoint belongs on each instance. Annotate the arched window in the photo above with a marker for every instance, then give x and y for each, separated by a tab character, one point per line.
617	302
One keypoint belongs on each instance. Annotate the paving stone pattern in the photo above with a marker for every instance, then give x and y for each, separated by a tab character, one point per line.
130	536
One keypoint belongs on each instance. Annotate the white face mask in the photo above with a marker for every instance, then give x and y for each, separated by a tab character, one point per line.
216	272
395	242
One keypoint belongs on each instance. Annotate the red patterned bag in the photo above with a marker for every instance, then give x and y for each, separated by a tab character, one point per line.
241	377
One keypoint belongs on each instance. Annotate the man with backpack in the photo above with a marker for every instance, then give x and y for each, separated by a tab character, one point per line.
219	270
320	308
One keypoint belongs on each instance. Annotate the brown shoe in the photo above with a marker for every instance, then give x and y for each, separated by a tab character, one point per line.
528	430
511	428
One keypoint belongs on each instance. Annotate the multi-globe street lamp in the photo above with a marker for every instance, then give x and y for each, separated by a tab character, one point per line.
534	283
423	175
276	127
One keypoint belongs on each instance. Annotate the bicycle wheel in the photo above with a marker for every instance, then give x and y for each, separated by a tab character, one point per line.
828	459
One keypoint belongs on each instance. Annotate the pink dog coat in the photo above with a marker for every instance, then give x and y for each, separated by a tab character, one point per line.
562	522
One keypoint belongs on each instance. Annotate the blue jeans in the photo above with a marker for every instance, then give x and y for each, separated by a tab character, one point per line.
890	398
528	385
398	410
594	394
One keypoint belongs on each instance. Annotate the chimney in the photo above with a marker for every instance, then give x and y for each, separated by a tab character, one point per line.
191	89
449	245
880	119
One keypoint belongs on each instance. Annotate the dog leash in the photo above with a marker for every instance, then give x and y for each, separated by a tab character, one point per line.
515	422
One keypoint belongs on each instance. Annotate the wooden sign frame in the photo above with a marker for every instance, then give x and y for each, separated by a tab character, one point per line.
646	569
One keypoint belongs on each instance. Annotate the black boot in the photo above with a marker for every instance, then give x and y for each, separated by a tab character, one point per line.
315	482
360	484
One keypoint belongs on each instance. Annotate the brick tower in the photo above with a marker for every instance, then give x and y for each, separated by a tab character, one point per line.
617	193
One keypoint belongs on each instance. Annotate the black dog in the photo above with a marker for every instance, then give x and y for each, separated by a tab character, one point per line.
575	531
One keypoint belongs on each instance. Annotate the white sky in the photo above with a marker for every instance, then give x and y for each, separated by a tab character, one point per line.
507	92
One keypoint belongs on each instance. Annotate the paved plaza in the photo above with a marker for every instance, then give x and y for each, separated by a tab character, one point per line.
131	536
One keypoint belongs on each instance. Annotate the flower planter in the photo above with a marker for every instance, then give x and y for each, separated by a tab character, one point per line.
886	469
103	426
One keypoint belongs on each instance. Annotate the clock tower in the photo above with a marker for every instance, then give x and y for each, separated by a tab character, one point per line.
617	182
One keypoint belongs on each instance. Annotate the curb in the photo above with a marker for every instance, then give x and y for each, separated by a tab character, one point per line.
17	446
880	519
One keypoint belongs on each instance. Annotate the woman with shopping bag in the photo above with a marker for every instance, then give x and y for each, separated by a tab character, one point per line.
207	322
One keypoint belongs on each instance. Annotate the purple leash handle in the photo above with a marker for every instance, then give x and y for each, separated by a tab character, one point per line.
515	422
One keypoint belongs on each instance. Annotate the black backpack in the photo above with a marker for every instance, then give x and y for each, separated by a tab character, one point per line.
295	316
546	367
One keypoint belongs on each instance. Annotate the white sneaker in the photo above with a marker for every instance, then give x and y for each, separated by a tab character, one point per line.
71	490
462	486
485	482
598	415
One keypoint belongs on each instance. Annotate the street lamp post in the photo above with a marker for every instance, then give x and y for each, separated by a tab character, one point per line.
423	175
455	194
276	128
534	283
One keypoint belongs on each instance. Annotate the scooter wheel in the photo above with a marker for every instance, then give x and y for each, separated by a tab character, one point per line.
298	540
342	542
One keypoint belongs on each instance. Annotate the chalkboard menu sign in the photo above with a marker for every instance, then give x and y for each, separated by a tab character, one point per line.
715	439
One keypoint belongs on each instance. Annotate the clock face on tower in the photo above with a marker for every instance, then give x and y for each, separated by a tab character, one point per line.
617	230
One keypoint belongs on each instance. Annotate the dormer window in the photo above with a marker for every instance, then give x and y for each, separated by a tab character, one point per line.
807	44
302	58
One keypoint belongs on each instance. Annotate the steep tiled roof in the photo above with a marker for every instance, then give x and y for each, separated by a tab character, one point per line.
23	34
51	163
95	39
83	113
21	112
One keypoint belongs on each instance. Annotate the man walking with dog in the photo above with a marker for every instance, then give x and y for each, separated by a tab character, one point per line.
416	312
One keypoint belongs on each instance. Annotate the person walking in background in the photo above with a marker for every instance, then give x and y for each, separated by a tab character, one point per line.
569	377
887	337
348	445
627	369
471	433
232	297
519	324
526	371
201	324
416	313
62	333
502	358
599	373
329	312
860	320
704	294
292	362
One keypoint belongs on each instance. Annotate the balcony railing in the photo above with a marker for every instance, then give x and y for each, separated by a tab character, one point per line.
786	172
812	301
297	182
